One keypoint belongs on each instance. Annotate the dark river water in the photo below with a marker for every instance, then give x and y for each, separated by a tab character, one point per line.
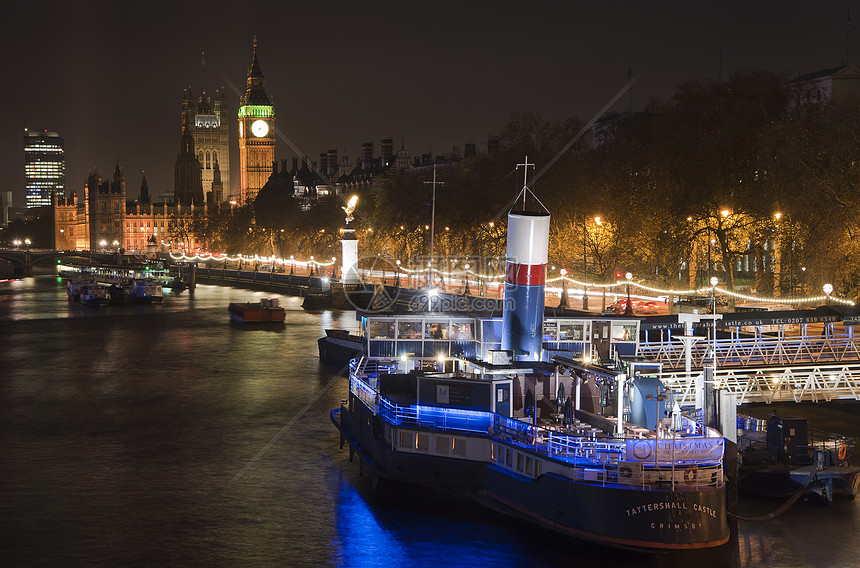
165	436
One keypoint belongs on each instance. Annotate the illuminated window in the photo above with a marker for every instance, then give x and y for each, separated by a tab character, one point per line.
459	448
381	329
409	329
571	331
422	442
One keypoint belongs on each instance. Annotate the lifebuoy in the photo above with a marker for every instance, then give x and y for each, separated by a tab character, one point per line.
843	451
690	475
625	471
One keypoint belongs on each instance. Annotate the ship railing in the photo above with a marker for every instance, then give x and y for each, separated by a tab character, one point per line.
606	460
437	418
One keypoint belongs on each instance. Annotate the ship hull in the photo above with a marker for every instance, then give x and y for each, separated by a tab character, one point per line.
655	520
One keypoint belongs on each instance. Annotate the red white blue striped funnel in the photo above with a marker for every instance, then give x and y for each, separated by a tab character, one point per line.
525	276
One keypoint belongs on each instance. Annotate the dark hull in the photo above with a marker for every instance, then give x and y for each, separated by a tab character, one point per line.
644	520
783	482
339	350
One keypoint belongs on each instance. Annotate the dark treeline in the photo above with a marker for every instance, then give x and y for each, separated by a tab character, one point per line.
727	178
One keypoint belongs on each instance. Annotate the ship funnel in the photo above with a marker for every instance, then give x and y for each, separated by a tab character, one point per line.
525	276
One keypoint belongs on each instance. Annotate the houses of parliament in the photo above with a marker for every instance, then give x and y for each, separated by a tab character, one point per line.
105	217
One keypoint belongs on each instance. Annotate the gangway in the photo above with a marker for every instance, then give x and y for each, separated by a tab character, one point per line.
773	383
758	351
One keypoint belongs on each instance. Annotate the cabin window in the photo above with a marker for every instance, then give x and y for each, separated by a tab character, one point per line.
436	330
422	442
463	331
571	331
442	444
459	447
381	329
407	439
537	468
520	462
550	331
502	394
624	332
409	330
497	453
529	461
509	458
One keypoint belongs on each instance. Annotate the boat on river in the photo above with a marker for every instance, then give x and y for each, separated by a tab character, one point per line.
265	311
550	420
340	345
95	295
782	456
453	425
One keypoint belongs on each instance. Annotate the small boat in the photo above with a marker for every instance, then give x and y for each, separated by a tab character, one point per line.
782	456
175	284
339	345
264	311
96	295
146	291
75	284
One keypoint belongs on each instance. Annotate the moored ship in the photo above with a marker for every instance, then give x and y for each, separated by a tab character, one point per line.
581	445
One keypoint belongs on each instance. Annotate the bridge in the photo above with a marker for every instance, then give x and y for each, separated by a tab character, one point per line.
24	260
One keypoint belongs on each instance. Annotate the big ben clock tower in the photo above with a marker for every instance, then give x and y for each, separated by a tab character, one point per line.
256	134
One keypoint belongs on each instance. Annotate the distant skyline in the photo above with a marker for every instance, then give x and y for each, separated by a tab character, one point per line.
109	77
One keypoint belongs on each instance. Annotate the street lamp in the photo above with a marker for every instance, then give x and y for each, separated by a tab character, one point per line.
828	289
628	310
563	302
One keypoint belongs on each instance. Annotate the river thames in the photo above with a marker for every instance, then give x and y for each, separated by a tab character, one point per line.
165	436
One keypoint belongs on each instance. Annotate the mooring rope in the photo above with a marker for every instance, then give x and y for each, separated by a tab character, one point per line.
785	506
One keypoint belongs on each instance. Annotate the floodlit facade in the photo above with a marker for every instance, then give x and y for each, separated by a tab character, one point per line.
256	134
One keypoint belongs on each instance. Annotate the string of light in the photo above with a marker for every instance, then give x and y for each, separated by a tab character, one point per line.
705	290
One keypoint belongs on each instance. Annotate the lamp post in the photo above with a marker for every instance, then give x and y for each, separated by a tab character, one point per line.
562	303
828	289
628	310
466	276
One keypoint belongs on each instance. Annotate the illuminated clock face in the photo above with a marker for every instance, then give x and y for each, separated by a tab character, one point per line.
240	129
260	128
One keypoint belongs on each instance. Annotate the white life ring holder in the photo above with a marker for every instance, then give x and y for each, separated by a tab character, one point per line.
690	475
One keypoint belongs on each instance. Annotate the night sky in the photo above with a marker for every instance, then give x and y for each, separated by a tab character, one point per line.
109	76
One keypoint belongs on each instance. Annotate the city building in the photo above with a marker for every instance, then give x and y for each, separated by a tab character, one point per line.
105	219
256	134
5	205
44	167
823	86
210	129
188	172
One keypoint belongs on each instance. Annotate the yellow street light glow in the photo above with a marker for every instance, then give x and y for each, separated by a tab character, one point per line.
725	213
